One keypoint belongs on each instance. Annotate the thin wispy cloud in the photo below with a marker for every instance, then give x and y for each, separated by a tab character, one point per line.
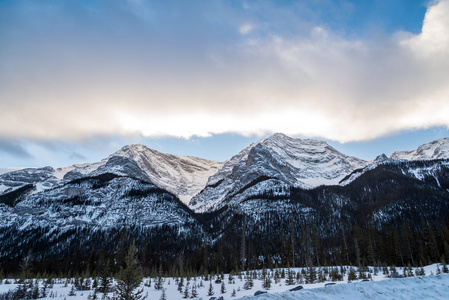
73	71
14	148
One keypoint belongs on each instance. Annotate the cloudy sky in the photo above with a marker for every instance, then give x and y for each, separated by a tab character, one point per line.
79	79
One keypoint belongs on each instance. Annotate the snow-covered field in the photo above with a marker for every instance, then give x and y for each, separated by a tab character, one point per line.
421	287
429	286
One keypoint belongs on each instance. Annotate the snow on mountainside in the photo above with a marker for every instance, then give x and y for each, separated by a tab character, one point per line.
276	162
302	163
438	149
183	176
43	178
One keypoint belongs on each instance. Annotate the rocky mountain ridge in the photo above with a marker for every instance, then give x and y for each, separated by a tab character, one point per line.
274	186
301	163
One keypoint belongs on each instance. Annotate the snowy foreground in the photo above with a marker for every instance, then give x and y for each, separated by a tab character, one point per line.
422	287
429	286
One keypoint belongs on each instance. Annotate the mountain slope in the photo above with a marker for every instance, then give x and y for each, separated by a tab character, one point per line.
40	178
295	162
438	149
183	176
102	203
271	191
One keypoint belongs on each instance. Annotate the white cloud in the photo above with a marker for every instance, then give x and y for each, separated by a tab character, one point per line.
324	85
246	28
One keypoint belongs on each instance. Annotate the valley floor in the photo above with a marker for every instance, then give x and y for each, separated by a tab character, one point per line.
380	287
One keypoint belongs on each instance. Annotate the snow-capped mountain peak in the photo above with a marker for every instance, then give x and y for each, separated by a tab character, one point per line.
184	176
305	163
438	149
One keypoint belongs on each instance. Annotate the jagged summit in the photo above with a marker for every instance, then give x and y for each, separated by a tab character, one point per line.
438	149
305	163
184	176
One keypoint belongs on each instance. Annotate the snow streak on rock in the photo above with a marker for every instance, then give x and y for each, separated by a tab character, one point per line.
301	163
438	149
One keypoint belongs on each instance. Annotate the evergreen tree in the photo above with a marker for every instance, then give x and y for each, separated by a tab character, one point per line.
105	280
35	290
249	283
210	292
267	283
277	277
130	277
72	291
290	280
234	293
223	288
420	271
21	291
121	251
180	284
444	267
311	275
163	295
352	274
159	281
243	246
45	287
92	264
186	291
194	293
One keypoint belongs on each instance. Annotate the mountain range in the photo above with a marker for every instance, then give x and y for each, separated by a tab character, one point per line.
177	202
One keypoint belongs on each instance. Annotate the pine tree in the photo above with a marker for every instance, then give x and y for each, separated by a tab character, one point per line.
420	271
105	280
94	296
121	251
72	291
210	292
277	278
130	277
163	295
290	280
180	284
249	283
194	293
45	287
158	284
234	293
444	265
186	291
35	290
243	246
352	274
311	275
223	288
267	283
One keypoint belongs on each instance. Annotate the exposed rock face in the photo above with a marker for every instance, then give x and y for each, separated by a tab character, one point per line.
438	149
183	176
301	163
